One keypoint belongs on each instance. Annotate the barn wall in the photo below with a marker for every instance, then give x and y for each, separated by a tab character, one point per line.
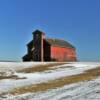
63	54
47	50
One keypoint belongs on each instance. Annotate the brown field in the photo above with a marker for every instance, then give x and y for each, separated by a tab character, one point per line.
10	77
40	68
86	76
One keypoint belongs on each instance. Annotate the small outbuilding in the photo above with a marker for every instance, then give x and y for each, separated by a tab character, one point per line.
47	49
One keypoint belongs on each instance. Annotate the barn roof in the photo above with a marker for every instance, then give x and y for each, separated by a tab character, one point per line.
59	42
39	32
54	42
30	43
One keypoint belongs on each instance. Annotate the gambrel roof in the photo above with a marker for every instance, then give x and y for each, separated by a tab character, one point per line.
55	42
59	42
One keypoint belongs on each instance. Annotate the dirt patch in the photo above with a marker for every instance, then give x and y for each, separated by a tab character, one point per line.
40	68
11	77
87	75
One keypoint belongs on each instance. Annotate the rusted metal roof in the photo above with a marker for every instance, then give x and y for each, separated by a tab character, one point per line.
59	42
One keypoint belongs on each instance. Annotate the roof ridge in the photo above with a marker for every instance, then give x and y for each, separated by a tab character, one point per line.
59	42
56	39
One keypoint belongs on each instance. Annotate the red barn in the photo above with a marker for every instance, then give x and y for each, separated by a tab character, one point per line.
43	49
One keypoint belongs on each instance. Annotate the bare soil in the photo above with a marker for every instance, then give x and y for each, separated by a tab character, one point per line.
11	77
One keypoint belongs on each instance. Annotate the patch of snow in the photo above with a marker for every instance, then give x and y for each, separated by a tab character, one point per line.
69	91
35	78
39	77
19	65
6	73
88	90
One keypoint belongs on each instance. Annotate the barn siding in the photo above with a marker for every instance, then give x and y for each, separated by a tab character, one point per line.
63	54
47	51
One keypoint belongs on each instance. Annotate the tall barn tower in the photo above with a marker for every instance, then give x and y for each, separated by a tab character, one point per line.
38	38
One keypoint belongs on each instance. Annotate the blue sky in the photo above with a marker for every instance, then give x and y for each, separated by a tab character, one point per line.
77	21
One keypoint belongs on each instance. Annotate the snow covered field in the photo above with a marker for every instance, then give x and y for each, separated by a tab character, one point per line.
18	84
